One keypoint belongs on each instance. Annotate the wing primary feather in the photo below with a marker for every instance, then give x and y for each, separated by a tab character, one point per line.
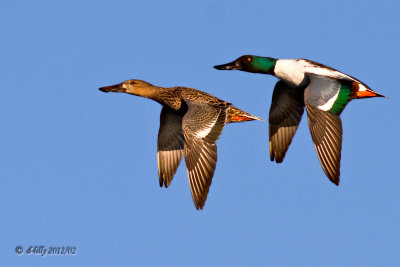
286	110
202	125
170	147
326	132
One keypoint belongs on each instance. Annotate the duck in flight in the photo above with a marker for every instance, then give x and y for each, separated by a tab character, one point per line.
322	90
191	122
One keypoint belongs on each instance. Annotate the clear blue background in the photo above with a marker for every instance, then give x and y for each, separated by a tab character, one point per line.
78	167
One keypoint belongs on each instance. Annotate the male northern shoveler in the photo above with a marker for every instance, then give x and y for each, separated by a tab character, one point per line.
191	121
324	92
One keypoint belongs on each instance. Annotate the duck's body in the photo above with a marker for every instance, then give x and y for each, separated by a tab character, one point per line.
324	92
294	73
191	122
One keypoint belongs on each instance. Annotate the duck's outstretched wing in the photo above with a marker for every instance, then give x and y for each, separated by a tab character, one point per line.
325	98
202	125
326	132
170	145
285	113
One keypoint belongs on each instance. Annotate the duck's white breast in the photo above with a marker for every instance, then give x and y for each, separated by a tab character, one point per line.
290	71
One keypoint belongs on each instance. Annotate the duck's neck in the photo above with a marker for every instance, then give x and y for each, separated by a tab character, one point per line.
146	90
164	96
263	65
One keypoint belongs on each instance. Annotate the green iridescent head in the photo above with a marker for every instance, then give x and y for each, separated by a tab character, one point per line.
250	63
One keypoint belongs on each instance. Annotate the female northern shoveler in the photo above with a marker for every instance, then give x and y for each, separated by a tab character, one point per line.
324	92
191	122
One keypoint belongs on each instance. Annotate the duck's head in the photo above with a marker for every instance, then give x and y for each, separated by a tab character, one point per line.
250	63
135	87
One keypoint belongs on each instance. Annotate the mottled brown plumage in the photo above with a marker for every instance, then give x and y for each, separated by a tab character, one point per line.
191	122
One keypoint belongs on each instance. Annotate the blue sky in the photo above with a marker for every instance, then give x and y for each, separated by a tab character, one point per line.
78	167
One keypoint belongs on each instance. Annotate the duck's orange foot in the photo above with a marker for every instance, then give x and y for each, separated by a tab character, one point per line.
241	118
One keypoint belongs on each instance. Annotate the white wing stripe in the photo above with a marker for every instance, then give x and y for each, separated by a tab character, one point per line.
203	133
328	105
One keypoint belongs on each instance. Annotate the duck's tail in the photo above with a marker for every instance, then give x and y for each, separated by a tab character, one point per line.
360	90
238	115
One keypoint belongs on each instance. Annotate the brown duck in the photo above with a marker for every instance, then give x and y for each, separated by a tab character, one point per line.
191	122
